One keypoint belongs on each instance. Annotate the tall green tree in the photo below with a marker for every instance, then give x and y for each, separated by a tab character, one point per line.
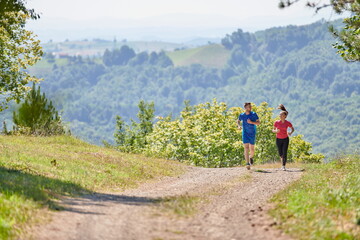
118	57
19	49
38	115
132	138
146	117
349	36
120	133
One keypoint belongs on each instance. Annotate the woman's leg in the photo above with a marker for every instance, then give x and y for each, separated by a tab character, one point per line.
285	150
279	145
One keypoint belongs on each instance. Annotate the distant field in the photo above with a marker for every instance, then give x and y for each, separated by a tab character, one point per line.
43	66
97	48
214	55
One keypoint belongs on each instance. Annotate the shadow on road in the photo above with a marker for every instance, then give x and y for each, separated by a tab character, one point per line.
57	194
102	200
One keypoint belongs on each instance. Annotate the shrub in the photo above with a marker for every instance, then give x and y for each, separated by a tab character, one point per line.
206	135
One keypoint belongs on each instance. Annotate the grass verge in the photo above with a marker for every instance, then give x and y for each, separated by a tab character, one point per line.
324	203
35	171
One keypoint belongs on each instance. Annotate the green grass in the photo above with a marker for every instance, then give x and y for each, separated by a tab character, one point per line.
214	55
324	203
182	206
36	171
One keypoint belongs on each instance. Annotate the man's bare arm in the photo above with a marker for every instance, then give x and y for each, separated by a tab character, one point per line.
239	124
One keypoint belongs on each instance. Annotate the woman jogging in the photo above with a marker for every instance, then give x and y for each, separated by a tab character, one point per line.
249	121
282	135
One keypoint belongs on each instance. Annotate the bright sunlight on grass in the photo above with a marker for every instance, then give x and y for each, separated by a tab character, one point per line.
34	171
324	203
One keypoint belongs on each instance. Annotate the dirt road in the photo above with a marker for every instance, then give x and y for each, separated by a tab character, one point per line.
235	208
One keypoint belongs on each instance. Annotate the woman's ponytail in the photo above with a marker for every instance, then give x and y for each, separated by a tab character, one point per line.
283	109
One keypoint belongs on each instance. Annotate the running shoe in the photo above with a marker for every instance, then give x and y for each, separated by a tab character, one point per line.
248	166
251	161
283	168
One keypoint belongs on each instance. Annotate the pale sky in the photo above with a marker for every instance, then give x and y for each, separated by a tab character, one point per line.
250	15
137	9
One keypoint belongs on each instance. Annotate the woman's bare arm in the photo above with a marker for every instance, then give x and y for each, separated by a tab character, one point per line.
275	130
292	130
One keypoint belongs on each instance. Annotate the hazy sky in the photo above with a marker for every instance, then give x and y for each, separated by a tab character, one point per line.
249	15
137	9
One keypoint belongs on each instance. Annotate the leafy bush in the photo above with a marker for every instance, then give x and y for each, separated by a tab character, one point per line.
206	135
300	151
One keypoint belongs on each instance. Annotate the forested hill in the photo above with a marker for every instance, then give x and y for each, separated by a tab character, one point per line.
294	65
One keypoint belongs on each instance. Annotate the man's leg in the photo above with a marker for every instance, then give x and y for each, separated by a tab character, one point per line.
252	150
246	152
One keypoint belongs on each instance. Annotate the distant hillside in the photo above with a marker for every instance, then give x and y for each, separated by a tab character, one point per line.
213	55
294	65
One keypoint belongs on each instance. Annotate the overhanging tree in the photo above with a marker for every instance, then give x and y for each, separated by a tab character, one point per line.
349	49
19	49
16	6
349	36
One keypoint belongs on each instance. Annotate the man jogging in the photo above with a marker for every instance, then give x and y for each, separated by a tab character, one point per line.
249	121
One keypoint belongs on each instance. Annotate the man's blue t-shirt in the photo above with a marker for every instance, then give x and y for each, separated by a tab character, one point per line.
248	129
